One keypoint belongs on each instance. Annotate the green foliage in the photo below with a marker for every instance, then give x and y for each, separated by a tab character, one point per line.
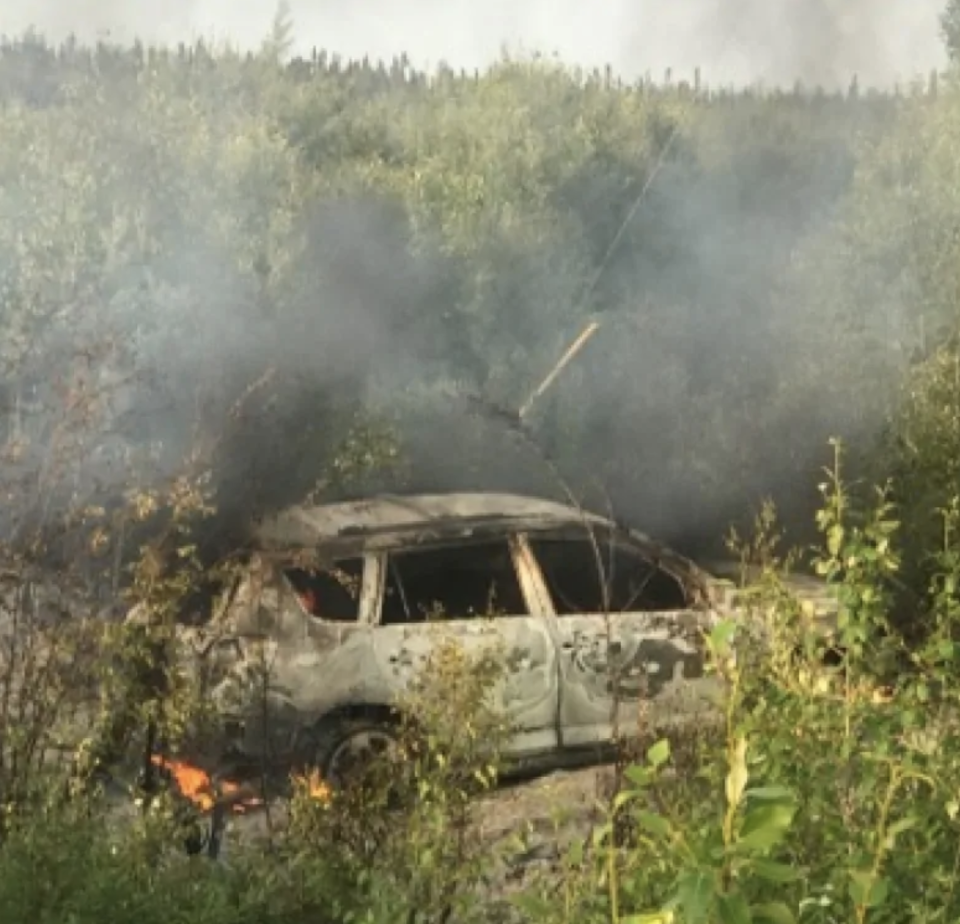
271	249
400	841
833	797
278	44
950	28
67	864
408	830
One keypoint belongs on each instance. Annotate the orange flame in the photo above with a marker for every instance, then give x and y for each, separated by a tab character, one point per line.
313	786
196	785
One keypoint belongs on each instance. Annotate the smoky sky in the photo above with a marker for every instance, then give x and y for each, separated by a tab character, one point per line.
775	42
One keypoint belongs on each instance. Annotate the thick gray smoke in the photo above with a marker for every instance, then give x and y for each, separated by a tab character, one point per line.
733	41
256	385
691	302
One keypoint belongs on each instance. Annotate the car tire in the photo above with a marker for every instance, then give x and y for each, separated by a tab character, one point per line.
341	748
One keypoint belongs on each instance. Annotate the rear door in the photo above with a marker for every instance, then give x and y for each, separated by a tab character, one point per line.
631	648
295	641
482	594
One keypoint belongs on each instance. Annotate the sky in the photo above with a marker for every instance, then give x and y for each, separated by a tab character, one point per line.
773	42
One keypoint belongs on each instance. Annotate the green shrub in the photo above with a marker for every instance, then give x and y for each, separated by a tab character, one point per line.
87	864
359	853
834	797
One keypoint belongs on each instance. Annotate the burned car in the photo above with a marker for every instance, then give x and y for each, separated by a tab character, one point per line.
338	606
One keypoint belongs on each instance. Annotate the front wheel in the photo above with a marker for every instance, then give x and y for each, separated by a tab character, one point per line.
347	751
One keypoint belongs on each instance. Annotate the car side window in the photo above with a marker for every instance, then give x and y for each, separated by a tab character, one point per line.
331	593
584	577
452	582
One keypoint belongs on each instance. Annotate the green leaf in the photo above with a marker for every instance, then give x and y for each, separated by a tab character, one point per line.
639	776
865	890
835	536
534	907
770	794
736	781
600	834
655	824
765	825
694	895
659	753
625	796
774	872
656	917
898	827
775	912
721	634
733	909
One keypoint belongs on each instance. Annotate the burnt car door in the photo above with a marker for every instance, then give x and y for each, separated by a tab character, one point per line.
629	635
293	641
481	594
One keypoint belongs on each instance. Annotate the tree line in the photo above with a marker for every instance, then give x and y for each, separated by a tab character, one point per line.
307	271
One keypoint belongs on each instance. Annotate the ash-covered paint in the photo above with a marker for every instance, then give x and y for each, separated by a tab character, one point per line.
631	658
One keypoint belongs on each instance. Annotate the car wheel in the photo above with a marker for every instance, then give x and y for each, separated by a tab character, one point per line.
344	750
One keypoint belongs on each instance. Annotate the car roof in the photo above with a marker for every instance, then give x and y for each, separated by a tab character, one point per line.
394	520
403	514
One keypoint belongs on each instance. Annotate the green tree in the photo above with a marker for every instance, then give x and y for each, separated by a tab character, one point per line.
950	29
278	44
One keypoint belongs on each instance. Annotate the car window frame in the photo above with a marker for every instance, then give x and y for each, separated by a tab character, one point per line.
530	585
281	562
584	534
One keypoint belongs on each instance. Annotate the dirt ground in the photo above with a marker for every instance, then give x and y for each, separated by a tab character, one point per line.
553	807
527	825
533	819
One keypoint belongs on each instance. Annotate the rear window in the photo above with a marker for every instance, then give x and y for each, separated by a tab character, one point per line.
330	593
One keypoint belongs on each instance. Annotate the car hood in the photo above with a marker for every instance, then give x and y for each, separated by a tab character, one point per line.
817	596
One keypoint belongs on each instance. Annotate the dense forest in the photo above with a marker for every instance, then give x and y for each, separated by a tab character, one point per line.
347	276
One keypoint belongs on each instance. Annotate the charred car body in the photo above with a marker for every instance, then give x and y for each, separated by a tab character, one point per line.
337	609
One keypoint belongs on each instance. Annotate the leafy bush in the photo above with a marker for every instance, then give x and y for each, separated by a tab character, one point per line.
836	784
408	830
341	855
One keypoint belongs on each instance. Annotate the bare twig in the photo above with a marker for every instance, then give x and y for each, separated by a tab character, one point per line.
551	377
